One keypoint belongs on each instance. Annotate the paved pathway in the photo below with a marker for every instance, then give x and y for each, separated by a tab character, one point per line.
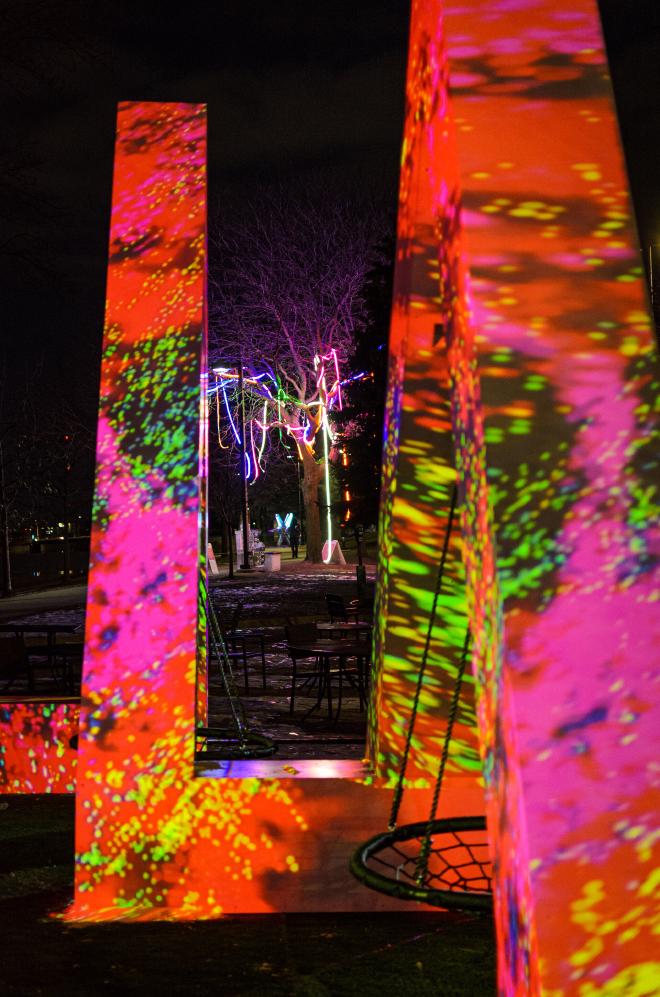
43	601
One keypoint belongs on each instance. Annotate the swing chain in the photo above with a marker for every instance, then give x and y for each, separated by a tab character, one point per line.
398	792
220	650
421	868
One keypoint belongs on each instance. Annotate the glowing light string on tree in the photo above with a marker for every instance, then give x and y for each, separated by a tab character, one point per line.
216	392
326	397
305	434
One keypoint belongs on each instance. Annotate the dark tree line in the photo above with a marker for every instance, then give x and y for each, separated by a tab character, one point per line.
361	421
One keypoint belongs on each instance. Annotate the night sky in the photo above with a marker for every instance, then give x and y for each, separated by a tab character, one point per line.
294	90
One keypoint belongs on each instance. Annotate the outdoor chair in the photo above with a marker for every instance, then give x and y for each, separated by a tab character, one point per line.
238	643
67	664
301	633
337	610
365	593
13	661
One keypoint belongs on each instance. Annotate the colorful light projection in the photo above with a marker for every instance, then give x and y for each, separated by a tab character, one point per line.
419	465
153	840
37	754
565	704
434	438
568	369
265	387
144	631
556	321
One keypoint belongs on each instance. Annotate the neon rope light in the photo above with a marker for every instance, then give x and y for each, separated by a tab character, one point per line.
256	381
264	431
217	416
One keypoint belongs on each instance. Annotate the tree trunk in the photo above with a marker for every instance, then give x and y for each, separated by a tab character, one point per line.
67	554
7	588
310	489
230	548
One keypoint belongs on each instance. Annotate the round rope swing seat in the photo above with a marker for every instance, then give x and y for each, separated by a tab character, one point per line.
220	744
457	872
443	861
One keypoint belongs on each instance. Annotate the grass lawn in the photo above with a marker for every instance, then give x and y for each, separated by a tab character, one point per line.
305	955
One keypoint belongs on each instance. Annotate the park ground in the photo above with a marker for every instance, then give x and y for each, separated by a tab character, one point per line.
416	954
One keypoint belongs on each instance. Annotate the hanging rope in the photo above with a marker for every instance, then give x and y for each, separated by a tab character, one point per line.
442	862
421	868
398	792
226	674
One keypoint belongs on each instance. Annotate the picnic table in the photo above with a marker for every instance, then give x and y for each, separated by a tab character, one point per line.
324	651
351	628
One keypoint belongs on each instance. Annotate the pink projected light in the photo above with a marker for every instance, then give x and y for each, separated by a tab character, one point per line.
567	369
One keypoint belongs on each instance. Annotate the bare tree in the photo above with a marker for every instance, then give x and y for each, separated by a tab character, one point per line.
287	287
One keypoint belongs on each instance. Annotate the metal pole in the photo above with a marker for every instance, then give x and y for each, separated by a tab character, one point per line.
244	497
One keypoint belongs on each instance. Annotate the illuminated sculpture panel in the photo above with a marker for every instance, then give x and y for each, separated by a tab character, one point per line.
568	370
153	840
520	180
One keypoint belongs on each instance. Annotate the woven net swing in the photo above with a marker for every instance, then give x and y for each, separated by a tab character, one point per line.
237	740
443	862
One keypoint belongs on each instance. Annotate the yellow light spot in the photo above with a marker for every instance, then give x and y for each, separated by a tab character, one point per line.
650	884
587	953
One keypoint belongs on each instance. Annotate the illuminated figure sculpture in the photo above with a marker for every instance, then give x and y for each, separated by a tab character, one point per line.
520	369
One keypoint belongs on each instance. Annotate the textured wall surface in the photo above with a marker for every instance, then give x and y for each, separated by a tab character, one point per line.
154	840
568	377
419	462
516	173
36	755
434	439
